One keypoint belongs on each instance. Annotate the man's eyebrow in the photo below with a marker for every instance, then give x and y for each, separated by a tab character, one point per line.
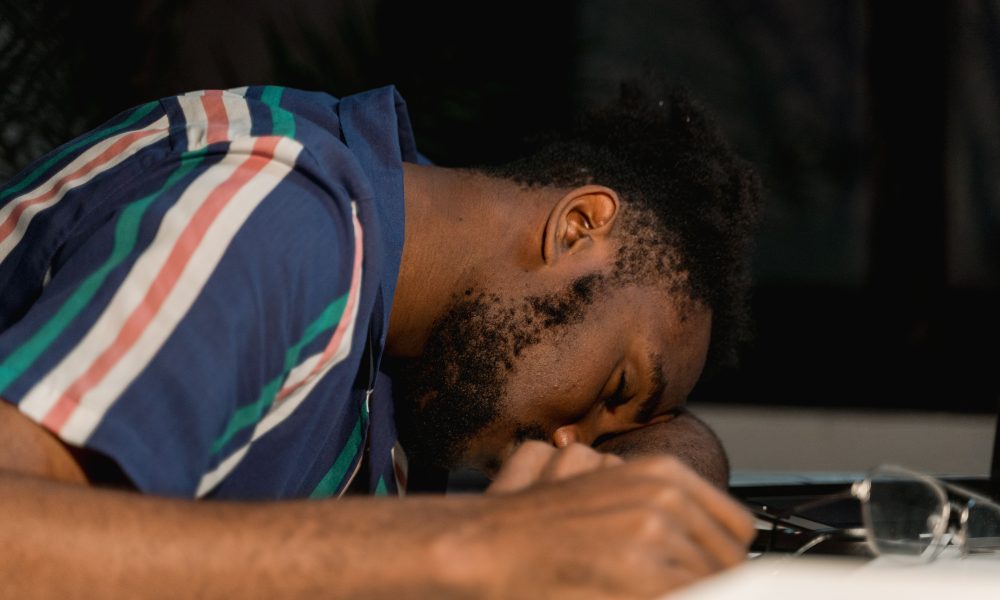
657	386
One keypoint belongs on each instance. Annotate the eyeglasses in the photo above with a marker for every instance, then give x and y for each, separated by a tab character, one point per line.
909	516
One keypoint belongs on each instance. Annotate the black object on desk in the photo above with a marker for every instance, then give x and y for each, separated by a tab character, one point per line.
782	529
785	529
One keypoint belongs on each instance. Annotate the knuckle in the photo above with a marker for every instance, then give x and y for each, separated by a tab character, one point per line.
610	460
651	525
559	467
670	498
636	560
571	460
535	448
576	452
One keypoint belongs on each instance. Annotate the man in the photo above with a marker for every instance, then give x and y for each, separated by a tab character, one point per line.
215	295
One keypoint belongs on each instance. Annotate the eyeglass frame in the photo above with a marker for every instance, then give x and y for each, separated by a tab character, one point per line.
861	491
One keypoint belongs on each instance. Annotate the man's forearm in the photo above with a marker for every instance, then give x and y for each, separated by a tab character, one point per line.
65	540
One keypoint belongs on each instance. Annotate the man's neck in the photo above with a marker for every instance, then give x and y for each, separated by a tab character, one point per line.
441	211
463	230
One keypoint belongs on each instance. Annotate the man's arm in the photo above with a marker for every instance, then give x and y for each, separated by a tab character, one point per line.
633	530
72	539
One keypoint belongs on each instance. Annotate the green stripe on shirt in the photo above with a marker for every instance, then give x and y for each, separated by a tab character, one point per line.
250	414
96	136
334	478
282	121
126	235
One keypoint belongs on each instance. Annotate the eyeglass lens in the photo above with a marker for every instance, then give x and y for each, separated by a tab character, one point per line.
905	515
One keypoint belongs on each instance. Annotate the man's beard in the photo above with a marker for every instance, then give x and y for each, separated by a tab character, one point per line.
456	389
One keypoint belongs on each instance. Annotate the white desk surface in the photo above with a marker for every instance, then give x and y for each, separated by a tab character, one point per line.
811	578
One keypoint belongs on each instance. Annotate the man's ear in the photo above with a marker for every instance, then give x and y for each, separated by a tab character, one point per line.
580	217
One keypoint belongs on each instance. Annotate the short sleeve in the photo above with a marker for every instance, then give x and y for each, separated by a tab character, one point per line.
169	332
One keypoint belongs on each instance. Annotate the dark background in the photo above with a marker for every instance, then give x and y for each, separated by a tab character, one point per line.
875	125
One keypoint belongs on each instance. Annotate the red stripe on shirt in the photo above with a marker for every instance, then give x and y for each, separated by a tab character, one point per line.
10	223
218	120
162	285
352	300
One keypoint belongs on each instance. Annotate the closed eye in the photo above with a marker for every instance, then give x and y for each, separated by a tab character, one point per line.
617	398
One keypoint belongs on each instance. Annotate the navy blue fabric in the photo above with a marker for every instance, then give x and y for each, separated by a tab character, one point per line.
291	257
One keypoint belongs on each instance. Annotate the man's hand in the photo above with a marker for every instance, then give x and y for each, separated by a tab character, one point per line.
538	462
576	523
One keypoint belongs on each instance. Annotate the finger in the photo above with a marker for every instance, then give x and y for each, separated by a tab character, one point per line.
523	468
572	460
690	518
730	514
611	460
682	552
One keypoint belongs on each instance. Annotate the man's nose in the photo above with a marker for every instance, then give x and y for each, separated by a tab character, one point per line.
588	430
581	432
568	435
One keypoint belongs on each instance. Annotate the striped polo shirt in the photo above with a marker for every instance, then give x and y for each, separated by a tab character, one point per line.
200	290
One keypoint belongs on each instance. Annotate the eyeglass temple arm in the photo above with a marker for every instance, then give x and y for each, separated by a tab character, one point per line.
823	501
780	515
783	513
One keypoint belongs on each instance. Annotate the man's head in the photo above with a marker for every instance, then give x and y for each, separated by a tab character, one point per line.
685	436
619	263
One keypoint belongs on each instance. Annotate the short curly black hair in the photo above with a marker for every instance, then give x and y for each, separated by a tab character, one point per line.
687	198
